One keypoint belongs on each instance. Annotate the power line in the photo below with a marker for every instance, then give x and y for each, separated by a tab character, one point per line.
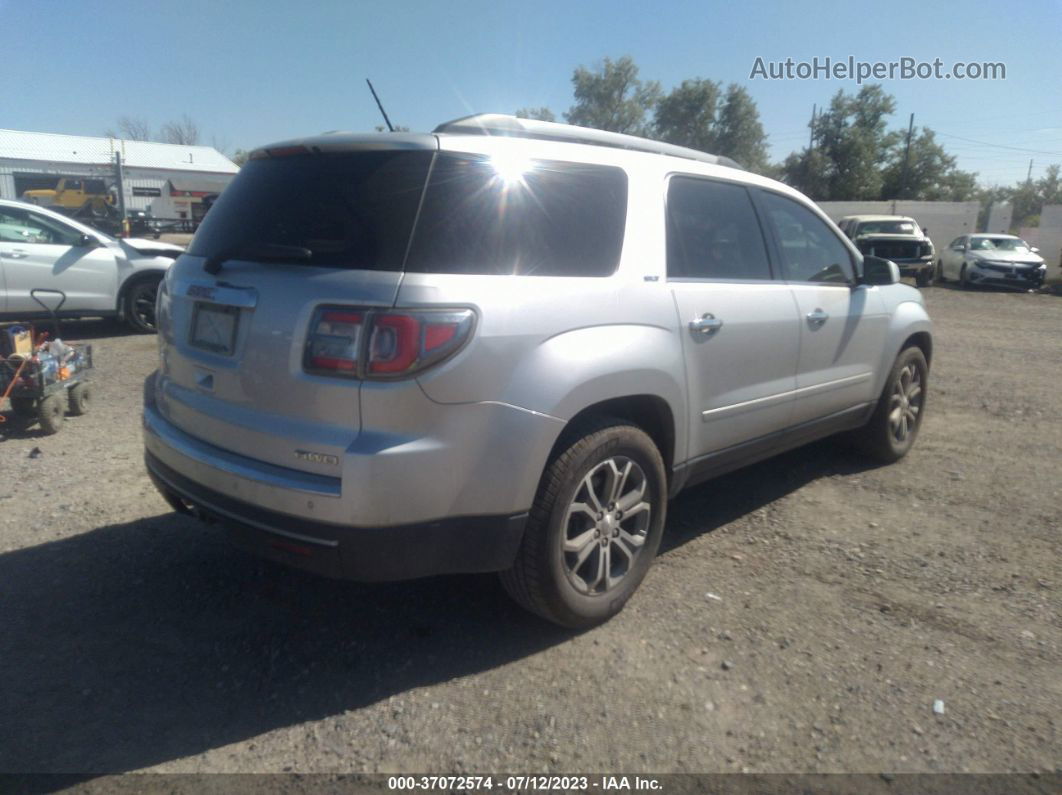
1000	146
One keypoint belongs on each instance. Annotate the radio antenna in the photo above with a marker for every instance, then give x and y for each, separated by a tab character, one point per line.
390	126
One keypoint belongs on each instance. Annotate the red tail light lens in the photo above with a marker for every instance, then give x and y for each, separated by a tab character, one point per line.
393	347
347	342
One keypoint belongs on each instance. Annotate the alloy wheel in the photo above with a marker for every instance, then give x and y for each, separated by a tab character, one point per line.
606	525
905	404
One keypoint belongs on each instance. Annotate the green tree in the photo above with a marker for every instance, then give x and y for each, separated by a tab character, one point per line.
687	115
930	174
696	114
738	133
613	98
1050	186
850	146
540	114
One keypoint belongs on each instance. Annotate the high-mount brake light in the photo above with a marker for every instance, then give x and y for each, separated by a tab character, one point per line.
383	344
288	151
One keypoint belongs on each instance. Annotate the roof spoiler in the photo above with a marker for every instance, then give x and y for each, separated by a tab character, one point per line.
511	126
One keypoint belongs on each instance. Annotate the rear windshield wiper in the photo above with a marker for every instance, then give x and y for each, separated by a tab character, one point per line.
273	252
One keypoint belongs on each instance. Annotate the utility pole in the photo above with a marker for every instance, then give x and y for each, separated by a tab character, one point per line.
811	146
1028	178
119	175
906	157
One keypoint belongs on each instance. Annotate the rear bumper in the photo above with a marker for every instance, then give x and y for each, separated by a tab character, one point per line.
399	552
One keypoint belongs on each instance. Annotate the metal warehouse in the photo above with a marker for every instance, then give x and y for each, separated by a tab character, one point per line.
165	180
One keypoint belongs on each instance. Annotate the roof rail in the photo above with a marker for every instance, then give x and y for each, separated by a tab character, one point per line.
501	124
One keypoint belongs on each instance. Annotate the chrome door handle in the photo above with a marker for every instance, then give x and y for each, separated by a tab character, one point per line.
17	254
817	318
706	324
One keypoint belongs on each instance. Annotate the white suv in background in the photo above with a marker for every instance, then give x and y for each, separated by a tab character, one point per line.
42	252
504	346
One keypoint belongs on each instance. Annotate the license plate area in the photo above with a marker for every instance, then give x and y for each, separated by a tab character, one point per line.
214	328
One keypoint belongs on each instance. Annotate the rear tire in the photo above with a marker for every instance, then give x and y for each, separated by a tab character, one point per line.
79	399
594	527
894	425
50	414
139	304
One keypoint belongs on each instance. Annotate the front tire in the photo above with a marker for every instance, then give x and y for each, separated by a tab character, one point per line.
963	282
940	272
594	527
893	427
924	277
139	304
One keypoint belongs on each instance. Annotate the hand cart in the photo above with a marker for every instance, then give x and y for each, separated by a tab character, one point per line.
46	378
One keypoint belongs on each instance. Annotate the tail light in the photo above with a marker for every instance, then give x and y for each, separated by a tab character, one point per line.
357	343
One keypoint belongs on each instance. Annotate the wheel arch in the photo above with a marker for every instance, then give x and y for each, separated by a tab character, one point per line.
651	413
922	340
134	278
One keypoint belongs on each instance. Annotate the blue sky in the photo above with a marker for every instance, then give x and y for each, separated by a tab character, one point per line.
254	72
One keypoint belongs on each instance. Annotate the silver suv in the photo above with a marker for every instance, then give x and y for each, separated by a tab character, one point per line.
504	346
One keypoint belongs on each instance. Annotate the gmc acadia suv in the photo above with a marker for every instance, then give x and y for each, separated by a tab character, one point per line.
504	346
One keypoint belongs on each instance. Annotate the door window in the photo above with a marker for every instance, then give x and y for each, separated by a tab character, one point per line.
49	231
810	250
19	226
713	232
14	226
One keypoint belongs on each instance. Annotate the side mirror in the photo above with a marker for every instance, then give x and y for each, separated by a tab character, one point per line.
1034	250
879	271
87	241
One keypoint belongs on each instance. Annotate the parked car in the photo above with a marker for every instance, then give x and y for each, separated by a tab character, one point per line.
895	237
504	347
100	276
998	260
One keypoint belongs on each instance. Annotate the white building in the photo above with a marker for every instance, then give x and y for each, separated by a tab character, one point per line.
167	180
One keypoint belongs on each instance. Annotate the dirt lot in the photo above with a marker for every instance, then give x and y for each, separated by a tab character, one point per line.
804	614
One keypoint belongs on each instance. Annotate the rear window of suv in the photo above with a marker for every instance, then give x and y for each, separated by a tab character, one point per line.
520	217
351	210
479	215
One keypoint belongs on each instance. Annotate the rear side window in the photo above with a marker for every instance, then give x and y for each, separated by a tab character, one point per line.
713	232
511	217
351	209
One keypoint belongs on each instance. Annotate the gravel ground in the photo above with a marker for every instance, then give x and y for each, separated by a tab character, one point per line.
804	614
